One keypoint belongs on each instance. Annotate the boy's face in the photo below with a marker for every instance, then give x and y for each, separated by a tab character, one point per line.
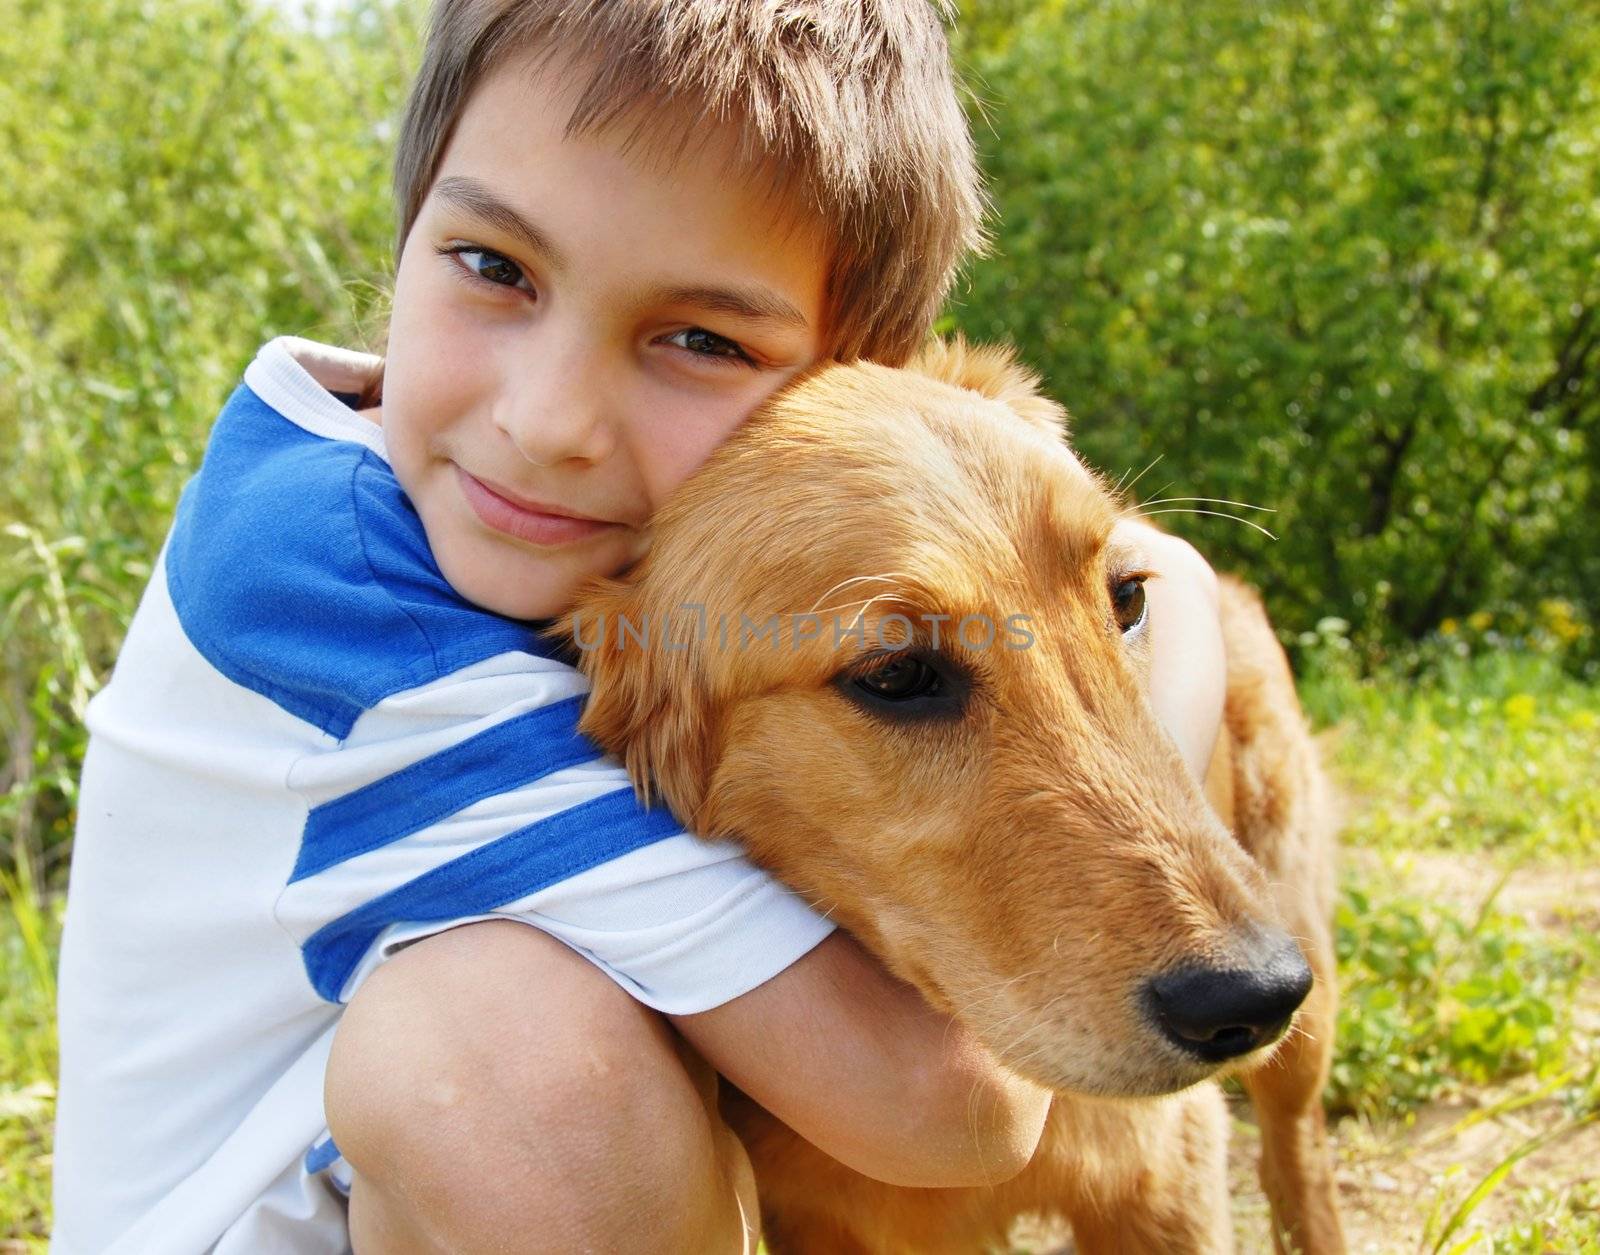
575	329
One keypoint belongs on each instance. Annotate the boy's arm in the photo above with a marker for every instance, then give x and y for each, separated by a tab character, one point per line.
1188	665
488	1085
857	1063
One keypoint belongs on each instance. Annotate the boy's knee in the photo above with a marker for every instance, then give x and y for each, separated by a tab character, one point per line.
506	1094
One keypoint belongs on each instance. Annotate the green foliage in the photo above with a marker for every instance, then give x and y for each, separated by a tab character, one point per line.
1335	258
1490	749
1338	259
1554	1221
1545	1217
1487	746
183	181
1430	1002
29	932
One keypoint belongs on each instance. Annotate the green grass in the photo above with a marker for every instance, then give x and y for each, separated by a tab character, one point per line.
1476	751
1543	1220
1432	1003
1492	751
28	940
1551	1220
1495	750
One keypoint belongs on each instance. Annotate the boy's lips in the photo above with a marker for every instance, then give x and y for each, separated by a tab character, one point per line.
534	522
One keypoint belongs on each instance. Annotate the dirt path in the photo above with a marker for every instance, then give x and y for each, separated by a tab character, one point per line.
1392	1177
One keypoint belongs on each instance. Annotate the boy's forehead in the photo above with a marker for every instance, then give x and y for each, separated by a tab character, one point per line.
669	199
668	137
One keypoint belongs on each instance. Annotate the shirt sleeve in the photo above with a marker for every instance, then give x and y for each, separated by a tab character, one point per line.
474	797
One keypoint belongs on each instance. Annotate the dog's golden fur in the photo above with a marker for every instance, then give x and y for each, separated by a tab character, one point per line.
1028	860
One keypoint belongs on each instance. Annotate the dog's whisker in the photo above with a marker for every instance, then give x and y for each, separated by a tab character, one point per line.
999	990
1128	487
865	604
1243	505
1037	1029
872	601
1145	514
880	577
1163	489
856	579
1006	1023
1042	1013
994	995
824	910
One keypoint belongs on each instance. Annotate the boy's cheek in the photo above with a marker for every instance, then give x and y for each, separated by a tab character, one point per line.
686	430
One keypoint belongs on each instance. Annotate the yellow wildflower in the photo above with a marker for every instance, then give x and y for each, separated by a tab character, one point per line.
1520	708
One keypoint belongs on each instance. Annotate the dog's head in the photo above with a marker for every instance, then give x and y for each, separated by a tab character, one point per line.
884	639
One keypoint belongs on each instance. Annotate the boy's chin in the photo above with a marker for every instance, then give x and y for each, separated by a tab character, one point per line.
520	584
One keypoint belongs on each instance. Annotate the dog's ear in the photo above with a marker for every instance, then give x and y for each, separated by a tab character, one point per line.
991	370
648	703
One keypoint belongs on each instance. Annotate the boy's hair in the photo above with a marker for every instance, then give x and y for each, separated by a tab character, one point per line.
848	106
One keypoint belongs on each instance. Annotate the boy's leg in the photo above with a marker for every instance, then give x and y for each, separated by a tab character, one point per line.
494	1091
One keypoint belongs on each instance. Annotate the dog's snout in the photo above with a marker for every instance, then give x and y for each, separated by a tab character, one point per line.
1222	1013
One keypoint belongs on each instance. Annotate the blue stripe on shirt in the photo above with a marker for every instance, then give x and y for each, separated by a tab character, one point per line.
513	866
301	571
322	1155
508	756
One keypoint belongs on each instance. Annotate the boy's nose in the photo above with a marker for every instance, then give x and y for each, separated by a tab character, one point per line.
556	412
549	434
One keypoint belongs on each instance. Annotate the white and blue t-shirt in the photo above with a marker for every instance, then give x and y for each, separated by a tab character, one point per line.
312	751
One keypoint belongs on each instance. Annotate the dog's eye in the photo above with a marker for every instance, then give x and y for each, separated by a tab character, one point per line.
900	680
908	686
1127	603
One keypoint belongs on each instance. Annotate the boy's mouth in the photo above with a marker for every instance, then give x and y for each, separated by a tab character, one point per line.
534	522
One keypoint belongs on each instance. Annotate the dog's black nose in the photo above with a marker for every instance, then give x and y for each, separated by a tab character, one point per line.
1222	1013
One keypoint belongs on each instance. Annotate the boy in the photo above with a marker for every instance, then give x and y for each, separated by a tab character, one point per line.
333	738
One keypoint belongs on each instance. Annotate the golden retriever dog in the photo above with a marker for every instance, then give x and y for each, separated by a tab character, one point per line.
992	808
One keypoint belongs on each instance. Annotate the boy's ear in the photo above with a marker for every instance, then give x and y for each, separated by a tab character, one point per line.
991	370
648	703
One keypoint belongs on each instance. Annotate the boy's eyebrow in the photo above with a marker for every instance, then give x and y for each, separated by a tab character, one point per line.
742	301
753	301
474	198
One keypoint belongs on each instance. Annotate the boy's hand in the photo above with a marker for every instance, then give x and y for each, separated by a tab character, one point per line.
860	1066
1188	663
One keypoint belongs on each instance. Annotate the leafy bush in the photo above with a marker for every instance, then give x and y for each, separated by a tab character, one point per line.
1336	259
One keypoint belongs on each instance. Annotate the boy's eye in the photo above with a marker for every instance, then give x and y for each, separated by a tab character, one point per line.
489	266
707	344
